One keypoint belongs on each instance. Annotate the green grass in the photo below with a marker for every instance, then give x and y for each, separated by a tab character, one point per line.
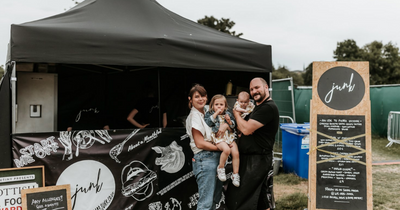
386	187
295	201
382	153
288	179
385	178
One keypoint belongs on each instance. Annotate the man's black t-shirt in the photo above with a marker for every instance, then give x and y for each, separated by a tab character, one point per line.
263	139
148	112
88	119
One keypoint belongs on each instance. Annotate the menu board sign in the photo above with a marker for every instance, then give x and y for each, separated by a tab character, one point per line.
341	170
47	198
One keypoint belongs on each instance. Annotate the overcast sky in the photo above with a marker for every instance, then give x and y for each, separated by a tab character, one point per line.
299	32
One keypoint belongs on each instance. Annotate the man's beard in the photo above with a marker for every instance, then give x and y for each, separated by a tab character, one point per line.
262	97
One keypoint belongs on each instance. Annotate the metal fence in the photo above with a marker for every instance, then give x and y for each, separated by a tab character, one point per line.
393	129
282	94
278	136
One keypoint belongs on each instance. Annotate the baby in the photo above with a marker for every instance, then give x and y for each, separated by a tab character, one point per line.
243	104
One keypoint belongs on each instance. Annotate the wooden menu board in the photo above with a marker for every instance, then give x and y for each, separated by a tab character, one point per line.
47	198
340	171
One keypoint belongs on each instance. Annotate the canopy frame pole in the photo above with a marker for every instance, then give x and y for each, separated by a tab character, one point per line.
14	105
160	118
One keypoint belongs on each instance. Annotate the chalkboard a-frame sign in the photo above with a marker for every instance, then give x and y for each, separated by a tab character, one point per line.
47	198
13	180
340	171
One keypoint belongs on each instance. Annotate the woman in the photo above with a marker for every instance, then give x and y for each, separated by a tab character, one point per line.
206	155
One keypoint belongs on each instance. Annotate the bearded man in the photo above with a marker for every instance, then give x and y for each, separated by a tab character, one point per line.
255	146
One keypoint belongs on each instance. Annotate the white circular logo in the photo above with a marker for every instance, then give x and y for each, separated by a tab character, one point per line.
92	184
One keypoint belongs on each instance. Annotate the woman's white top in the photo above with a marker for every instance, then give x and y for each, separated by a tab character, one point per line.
195	120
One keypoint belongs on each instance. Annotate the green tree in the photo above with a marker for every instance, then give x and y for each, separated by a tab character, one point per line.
283	72
1	71
384	63
384	59
307	75
280	73
297	78
348	51
223	25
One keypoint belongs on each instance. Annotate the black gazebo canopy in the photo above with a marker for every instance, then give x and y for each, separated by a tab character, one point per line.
133	33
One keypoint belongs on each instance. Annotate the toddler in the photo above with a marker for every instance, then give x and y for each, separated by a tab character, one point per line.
215	117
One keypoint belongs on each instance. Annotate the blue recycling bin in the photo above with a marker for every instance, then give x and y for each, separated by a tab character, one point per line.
295	146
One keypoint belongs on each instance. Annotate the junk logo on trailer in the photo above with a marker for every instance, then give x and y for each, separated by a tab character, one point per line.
95	190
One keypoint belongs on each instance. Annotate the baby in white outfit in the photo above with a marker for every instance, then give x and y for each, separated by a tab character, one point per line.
243	104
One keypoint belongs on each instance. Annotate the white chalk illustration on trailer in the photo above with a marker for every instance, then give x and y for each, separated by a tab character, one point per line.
172	157
83	139
155	206
45	148
172	204
65	139
117	149
137	181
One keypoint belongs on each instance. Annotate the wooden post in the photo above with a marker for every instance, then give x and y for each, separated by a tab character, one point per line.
340	170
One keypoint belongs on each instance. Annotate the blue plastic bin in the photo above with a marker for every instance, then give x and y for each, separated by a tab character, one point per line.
295	146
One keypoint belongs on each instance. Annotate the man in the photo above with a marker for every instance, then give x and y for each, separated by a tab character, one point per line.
255	147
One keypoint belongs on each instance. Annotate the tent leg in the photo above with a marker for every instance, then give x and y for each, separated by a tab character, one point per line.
159	98
5	117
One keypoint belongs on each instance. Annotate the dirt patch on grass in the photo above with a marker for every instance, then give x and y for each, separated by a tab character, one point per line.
386	169
382	153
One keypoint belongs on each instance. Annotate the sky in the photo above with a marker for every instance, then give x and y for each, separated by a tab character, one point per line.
299	32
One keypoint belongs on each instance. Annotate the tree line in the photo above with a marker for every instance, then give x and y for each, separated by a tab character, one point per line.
384	59
384	62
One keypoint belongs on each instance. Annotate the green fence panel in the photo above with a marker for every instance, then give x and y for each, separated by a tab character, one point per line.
302	97
282	96
383	100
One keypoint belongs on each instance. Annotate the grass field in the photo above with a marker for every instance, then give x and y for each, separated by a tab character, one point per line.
291	191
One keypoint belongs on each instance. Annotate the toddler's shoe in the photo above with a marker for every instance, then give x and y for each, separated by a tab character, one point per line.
221	174
235	179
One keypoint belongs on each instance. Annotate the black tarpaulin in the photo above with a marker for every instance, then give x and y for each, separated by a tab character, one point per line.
133	33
